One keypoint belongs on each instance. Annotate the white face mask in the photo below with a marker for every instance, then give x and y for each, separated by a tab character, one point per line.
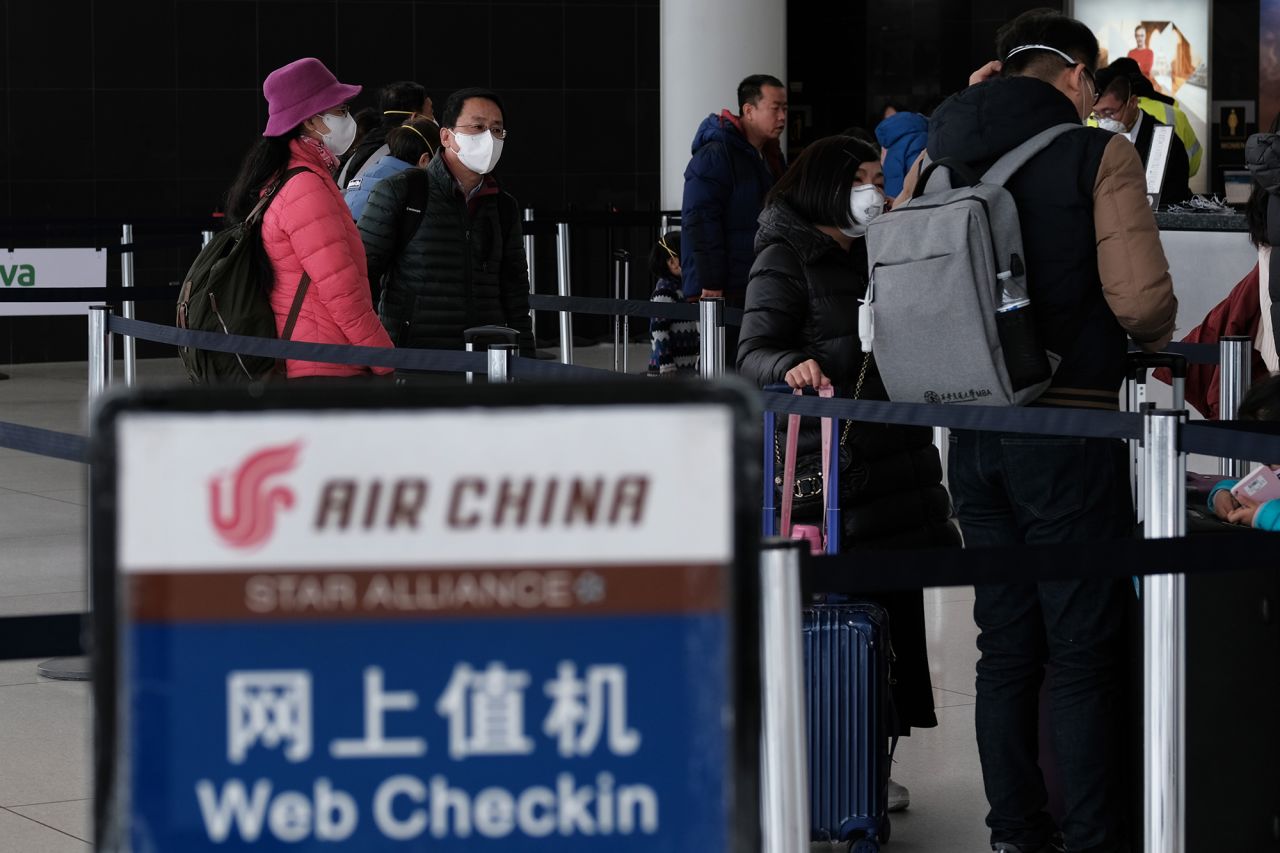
342	132
1112	124
479	152
866	202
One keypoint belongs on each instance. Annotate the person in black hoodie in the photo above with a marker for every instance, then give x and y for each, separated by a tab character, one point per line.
801	327
1097	276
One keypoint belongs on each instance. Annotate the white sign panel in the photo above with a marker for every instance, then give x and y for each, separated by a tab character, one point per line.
625	484
49	269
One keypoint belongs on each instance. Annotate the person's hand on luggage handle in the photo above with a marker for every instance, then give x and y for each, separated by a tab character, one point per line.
712	294
1225	503
807	373
986	72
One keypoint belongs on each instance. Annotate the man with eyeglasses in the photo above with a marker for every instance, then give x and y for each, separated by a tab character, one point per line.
445	241
1097	276
1119	111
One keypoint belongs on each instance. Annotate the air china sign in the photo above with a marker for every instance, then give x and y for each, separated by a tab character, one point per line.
262	493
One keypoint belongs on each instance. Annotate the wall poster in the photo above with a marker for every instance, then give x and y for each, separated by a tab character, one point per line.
1169	39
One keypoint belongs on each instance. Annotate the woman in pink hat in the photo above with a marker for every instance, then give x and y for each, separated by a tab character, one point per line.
308	236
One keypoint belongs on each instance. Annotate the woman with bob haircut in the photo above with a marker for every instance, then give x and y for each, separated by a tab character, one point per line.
801	327
309	241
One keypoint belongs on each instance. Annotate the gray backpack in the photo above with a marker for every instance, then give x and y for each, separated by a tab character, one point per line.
946	313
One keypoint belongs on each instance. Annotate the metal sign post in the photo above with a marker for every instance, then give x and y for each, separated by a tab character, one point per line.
530	250
785	770
711	338
1164	645
484	622
1234	379
126	308
101	358
565	288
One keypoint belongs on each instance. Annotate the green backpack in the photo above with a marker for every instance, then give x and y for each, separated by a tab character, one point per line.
222	293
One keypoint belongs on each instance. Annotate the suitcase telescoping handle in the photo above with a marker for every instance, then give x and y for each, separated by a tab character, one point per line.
1171	361
485	335
830	470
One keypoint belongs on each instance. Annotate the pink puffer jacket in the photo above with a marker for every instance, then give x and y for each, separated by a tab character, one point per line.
308	227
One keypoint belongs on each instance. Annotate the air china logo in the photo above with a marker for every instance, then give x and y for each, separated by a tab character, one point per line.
245	515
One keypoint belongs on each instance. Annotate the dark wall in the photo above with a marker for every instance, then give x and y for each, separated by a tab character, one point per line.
145	108
141	111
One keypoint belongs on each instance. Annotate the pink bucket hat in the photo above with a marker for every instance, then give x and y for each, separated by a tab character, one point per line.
300	90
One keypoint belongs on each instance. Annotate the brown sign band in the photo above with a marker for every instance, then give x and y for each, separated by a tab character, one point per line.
300	595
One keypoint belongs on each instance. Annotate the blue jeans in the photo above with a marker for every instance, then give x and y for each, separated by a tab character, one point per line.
1012	490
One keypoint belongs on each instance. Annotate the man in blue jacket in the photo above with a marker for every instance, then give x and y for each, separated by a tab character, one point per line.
736	159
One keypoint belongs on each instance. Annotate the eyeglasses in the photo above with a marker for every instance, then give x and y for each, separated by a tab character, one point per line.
476	129
1108	113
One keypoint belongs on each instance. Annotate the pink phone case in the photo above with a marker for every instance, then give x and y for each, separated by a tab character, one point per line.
1260	486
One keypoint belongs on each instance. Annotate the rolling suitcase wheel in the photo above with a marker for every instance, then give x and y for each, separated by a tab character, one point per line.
865	845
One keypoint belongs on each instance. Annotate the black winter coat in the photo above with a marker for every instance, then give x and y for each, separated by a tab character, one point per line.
464	266
802	303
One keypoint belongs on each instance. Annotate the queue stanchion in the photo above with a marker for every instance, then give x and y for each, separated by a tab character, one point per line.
500	363
626	318
565	288
530	248
101	356
1235	366
621	325
1164	641
127	308
711	338
784	749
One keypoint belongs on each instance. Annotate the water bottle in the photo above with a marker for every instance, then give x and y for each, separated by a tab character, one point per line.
1024	358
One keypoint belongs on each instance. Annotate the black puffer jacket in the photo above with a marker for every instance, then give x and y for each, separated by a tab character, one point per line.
1262	153
802	303
464	266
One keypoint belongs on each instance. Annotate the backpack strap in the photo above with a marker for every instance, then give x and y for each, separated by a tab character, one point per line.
263	203
296	308
1012	161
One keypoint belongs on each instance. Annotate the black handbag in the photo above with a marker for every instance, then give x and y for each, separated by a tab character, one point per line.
806	495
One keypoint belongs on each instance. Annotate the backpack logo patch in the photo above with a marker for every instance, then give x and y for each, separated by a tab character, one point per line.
245	516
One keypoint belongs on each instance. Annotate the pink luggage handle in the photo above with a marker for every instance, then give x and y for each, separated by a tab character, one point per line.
810	532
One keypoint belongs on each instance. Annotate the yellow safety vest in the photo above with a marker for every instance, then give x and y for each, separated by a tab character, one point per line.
1176	119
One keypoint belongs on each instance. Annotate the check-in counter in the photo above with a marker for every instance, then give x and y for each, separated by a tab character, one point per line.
1208	255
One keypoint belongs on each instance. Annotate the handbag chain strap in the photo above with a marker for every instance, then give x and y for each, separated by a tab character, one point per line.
844	433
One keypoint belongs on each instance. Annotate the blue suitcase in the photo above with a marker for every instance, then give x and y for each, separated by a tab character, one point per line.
846	664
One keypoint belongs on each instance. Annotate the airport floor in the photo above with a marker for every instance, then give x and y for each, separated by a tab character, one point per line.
45	742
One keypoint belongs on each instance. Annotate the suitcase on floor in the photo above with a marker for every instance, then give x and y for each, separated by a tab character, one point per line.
846	670
846	663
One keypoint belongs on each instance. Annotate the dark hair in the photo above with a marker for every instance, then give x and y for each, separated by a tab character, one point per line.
1121	87
405	95
817	185
658	255
267	159
1262	401
413	139
865	135
750	89
1048	27
453	106
366	120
